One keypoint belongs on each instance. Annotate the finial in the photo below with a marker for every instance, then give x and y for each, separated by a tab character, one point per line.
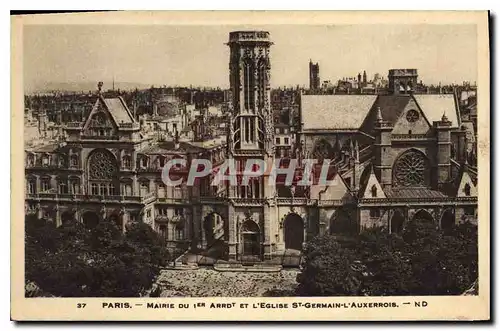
379	115
444	118
99	87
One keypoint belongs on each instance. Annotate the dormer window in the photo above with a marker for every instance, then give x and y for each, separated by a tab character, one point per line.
45	161
31	160
374	191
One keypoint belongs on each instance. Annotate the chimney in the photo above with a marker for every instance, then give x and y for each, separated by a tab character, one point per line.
176	139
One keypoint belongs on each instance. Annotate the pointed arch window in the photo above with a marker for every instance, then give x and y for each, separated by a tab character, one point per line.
374	191
467	189
249	84
74	160
262	67
127	162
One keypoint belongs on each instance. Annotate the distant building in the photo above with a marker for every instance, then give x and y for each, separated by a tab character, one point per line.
402	81
314	80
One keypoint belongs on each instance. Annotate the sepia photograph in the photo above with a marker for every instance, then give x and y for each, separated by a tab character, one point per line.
316	163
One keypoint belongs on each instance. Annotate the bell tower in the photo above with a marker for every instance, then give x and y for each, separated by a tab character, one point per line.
249	71
250	136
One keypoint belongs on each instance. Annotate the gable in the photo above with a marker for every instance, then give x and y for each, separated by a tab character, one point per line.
411	120
435	105
373	183
336	191
464	181
100	122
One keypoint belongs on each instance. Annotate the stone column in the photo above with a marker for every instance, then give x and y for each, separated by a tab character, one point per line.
124	217
39	211
58	216
233	232
266	228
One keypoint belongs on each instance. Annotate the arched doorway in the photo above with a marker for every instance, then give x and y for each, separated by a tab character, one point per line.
90	219
397	222
423	216
294	231
447	220
213	228
341	223
250	236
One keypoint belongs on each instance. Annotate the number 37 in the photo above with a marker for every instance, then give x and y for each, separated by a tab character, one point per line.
81	305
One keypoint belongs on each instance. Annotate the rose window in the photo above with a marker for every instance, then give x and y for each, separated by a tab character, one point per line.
410	169
412	115
102	165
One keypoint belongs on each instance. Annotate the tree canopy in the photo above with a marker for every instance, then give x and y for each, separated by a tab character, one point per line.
74	261
422	261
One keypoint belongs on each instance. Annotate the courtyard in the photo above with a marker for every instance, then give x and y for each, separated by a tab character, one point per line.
207	282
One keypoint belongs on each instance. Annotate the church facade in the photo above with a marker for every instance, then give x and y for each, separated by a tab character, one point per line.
393	159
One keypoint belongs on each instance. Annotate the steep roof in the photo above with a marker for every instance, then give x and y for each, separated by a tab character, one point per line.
167	147
45	148
413	193
391	108
324	112
367	181
434	105
119	110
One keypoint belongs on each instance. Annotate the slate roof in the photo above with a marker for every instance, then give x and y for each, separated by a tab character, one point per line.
413	193
391	108
434	105
167	147
47	148
323	112
365	176
118	109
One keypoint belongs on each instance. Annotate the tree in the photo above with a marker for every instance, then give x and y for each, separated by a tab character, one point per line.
74	261
423	261
326	269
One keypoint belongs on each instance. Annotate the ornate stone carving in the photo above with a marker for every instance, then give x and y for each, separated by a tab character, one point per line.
102	165
410	169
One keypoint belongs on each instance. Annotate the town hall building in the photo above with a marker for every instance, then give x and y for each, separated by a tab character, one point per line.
394	159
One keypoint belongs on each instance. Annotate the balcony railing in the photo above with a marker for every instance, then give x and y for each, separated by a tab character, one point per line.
74	125
129	125
248	201
411	137
292	201
174	201
88	197
90	137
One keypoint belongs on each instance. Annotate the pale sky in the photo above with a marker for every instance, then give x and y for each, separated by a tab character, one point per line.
185	55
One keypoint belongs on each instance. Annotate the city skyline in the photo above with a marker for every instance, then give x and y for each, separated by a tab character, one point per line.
197	56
